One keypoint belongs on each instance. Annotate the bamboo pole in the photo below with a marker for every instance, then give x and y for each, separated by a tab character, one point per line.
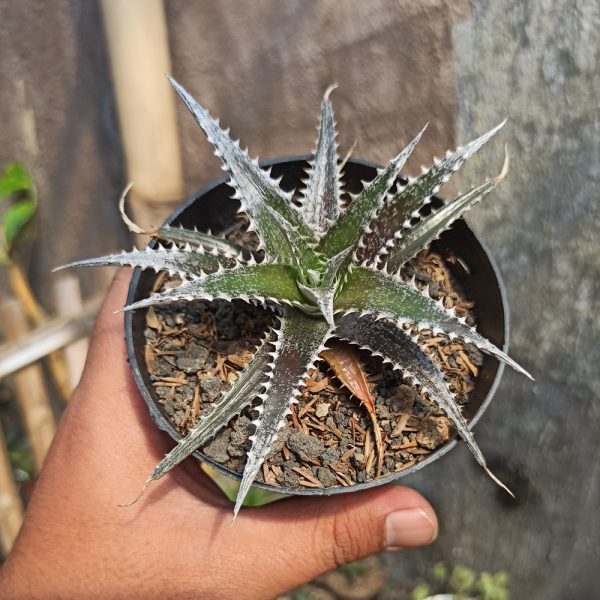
137	37
32	395
67	294
55	334
22	290
35	313
11	507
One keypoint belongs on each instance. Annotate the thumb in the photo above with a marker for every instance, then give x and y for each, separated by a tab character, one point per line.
319	534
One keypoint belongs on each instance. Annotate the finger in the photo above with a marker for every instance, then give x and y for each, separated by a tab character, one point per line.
108	329
107	373
319	534
106	406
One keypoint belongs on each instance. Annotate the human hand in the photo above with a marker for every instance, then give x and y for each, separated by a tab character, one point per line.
177	541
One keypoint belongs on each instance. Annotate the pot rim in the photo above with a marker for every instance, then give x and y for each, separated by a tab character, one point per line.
165	425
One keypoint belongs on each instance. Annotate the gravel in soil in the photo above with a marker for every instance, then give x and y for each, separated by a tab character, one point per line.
195	349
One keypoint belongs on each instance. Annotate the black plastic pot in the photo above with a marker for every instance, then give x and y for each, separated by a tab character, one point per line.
212	208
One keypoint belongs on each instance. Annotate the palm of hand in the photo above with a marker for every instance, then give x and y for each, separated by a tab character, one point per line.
177	541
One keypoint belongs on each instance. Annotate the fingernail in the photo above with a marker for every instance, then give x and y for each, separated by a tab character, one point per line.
409	528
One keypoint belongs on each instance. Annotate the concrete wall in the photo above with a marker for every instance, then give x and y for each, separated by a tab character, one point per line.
398	64
536	62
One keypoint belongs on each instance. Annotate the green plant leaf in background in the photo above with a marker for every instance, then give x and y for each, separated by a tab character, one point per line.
16	219
421	592
461	583
439	572
462	579
16	180
19	452
352	571
493	586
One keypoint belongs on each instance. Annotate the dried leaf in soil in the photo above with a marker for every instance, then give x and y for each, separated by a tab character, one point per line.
345	363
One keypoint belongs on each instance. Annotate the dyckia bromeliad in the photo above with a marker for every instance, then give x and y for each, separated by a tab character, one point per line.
329	271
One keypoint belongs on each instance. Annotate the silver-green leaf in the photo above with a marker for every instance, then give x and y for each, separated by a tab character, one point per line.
407	243
249	383
395	346
392	298
263	282
321	201
186	262
254	187
349	228
300	339
399	212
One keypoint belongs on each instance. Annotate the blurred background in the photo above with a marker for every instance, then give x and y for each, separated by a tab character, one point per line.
85	107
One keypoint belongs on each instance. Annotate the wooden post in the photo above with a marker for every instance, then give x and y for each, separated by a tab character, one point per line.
136	32
11	507
67	294
30	386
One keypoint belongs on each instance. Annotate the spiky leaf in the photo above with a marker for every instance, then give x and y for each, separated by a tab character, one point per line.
320	204
322	295
299	342
407	202
349	228
254	282
395	346
249	383
408	243
255	188
187	262
395	299
297	247
179	235
198	239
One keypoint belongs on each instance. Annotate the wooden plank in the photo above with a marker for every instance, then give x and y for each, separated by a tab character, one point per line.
32	395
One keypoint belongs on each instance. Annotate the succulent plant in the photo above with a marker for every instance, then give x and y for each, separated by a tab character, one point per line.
328	269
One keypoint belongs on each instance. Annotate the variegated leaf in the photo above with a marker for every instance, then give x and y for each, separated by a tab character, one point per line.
348	229
320	204
301	254
186	262
254	187
179	235
261	282
249	383
406	204
407	243
392	298
182	236
300	340
396	347
322	295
